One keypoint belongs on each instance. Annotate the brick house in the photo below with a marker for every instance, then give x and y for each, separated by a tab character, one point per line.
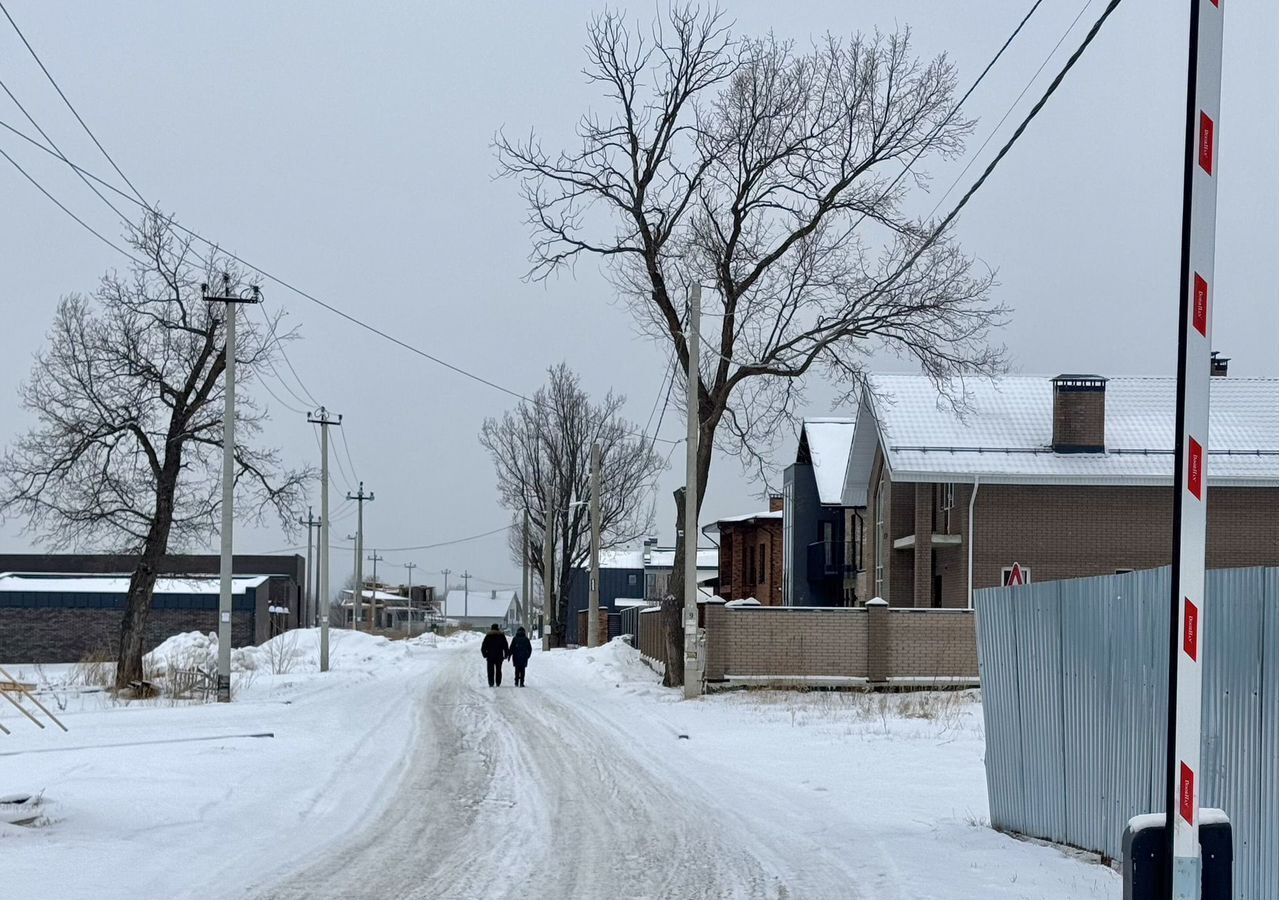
750	555
1066	477
819	566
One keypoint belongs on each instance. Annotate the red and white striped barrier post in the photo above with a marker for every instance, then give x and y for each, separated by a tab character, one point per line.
1198	246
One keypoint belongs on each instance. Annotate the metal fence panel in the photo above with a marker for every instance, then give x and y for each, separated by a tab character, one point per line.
997	654
1074	682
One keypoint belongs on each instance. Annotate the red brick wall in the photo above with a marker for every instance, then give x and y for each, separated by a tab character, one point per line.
736	582
1069	532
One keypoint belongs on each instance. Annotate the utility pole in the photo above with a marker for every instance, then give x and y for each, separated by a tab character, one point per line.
308	595
228	478
358	597
593	612
466	594
692	674
444	604
322	551
548	569
373	598
526	585
408	620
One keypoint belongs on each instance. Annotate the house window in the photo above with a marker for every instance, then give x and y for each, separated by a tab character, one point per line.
750	564
761	577
1124	571
632	579
945	503
1006	573
881	533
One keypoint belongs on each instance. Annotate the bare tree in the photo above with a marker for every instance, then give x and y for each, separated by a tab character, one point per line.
542	453
128	397
777	179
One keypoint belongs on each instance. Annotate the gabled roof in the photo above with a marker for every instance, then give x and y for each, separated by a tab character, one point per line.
766	515
1004	433
478	604
825	444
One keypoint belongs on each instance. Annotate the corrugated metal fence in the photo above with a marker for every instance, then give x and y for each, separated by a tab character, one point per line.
1074	684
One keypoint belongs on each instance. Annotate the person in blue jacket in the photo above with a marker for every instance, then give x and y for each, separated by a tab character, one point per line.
521	650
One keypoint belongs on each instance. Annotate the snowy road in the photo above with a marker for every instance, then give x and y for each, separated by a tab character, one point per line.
533	793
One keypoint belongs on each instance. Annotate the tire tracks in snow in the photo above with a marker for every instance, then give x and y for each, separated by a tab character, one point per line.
513	793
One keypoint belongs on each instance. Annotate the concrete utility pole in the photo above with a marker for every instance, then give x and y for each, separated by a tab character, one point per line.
593	612
375	559
322	551
548	569
466	594
444	604
355	565
526	614
304	615
692	673
408	620
357	597
228	479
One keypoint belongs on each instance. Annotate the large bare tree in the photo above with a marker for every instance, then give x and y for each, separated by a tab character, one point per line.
128	399
778	179
542	453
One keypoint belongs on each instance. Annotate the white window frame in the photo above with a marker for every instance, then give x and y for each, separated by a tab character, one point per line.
881	534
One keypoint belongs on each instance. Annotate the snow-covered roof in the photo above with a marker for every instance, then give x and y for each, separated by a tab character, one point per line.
659	558
622	558
478	604
1004	433
119	584
366	594
707	558
629	602
751	517
829	441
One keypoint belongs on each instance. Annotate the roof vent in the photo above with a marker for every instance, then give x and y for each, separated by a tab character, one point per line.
1220	365
1079	414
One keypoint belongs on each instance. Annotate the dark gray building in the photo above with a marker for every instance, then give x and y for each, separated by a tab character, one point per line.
64	607
819	555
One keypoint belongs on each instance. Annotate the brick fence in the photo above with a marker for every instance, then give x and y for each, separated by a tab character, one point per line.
816	645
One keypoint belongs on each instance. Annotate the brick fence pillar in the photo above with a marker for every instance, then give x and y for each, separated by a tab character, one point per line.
715	623
877	638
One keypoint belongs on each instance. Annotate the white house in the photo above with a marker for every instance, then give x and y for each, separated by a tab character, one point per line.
481	609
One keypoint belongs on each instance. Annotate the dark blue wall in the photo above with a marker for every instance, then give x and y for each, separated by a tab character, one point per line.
808	512
614	584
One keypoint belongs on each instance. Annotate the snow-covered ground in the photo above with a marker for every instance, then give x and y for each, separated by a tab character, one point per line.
400	774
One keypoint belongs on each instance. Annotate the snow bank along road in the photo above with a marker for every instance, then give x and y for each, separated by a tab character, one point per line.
581	786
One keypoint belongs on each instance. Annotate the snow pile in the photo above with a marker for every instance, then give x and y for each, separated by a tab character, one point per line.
616	662
747	601
296	651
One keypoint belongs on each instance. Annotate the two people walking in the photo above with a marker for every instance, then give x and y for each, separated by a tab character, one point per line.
496	651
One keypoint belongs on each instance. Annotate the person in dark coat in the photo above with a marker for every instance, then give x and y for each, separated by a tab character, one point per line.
521	650
495	650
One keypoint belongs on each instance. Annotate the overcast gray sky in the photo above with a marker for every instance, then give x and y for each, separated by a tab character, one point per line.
345	147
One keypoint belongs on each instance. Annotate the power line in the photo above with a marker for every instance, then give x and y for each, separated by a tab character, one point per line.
955	111
53	82
286	284
474	537
1000	124
346	448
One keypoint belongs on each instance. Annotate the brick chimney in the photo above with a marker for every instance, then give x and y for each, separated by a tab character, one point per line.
1079	414
774	502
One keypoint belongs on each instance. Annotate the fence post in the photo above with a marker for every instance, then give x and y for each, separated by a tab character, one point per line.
877	638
